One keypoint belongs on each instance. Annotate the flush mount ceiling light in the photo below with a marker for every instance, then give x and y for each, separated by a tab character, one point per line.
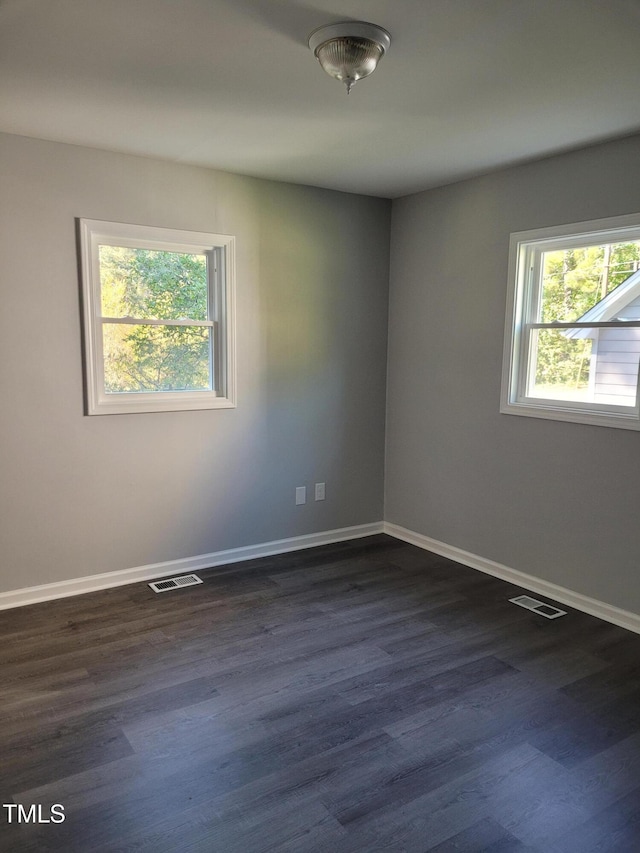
349	50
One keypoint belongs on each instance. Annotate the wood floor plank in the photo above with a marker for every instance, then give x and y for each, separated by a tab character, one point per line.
615	829
357	697
486	835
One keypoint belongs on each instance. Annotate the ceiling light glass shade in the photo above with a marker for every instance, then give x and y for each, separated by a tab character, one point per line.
350	50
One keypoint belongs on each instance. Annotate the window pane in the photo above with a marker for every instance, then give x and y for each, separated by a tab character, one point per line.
156	358
586	365
561	367
152	285
574	280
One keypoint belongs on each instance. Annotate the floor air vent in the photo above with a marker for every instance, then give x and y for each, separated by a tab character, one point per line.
175	583
538	606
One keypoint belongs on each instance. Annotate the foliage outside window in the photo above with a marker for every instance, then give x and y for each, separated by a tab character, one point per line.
572	343
158	318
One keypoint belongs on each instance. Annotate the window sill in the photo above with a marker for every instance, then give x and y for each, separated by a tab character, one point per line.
572	414
122	404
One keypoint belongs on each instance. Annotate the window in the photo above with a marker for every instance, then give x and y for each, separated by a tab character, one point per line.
572	343
158	318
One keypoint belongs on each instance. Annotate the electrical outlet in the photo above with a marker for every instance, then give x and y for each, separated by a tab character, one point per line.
301	495
319	491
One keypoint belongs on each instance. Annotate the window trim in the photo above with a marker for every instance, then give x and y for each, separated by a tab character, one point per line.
525	250
93	233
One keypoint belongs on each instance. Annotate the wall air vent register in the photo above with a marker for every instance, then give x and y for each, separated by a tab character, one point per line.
175	583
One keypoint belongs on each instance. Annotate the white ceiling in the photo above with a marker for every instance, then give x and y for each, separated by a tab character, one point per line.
467	85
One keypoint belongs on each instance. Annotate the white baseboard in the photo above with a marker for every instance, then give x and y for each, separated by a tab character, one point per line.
76	586
623	618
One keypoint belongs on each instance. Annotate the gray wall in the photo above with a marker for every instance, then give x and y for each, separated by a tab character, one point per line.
81	495
556	500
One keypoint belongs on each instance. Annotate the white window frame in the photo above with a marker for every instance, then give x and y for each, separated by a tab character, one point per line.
220	250
523	294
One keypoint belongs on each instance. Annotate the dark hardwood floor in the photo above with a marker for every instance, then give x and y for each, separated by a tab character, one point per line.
365	696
